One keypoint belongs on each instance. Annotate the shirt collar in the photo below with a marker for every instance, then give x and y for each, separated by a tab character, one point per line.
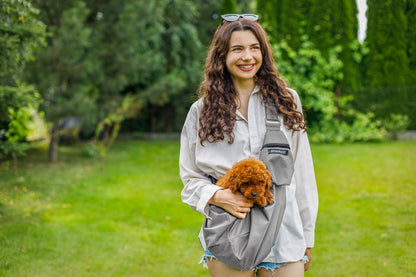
239	115
255	90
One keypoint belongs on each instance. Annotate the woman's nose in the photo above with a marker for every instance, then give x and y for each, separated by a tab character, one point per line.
246	55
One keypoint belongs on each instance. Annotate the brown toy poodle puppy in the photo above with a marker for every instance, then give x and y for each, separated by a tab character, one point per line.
252	179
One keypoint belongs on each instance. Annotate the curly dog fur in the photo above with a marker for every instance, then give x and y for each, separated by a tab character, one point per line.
252	179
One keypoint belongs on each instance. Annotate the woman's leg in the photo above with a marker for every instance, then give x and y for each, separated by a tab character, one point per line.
295	269
218	269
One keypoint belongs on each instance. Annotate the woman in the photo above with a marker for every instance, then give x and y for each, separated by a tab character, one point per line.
227	124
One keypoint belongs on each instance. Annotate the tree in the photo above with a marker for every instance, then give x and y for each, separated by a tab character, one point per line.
174	62
245	6
21	36
387	64
332	23
206	21
290	21
62	72
146	54
410	12
228	6
283	19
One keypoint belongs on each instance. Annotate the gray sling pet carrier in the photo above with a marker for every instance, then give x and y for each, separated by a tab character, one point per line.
244	243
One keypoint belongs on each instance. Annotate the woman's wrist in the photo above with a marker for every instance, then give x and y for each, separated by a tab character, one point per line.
216	198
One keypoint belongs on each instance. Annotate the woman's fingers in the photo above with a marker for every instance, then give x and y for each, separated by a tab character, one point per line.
243	210
234	203
240	215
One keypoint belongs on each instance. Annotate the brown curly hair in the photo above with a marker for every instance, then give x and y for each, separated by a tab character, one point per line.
218	114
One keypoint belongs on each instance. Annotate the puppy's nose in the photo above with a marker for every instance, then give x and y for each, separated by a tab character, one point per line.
254	194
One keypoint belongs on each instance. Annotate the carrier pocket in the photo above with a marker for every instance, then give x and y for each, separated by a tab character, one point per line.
279	160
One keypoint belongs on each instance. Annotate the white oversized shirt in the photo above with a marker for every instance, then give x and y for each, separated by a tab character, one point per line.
197	162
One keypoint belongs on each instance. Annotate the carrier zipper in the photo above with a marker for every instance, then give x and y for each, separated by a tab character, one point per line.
281	145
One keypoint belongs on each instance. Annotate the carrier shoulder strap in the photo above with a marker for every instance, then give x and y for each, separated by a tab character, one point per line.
272	119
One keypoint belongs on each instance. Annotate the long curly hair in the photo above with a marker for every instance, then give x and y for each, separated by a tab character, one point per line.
218	114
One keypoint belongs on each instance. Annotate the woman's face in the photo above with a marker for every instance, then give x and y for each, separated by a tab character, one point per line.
244	56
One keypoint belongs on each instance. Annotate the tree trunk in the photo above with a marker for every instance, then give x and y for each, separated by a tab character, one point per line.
53	144
338	95
152	119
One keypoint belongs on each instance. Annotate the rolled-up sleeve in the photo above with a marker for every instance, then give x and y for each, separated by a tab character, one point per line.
198	189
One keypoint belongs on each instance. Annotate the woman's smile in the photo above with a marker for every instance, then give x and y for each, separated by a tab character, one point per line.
246	67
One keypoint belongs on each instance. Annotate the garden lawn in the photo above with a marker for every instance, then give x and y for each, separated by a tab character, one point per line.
122	215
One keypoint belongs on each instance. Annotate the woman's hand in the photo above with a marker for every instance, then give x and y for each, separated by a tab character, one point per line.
234	203
308	253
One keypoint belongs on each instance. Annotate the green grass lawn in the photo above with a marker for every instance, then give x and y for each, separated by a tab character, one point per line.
122	215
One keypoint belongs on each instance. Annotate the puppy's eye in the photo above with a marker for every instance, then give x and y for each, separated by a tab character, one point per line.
245	184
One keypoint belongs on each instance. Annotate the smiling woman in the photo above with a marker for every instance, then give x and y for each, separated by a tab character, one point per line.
227	125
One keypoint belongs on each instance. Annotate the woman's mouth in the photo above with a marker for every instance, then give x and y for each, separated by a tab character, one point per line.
246	67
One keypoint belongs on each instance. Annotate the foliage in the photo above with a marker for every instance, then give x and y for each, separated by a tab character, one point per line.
21	36
83	217
396	123
387	64
62	71
364	128
387	55
228	6
174	57
283	20
410	13
108	129
100	53
314	77
206	22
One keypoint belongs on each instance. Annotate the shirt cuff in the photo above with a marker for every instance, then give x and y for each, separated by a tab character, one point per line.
206	195
309	239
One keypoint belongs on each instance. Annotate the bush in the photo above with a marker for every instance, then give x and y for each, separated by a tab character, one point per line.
396	124
314	77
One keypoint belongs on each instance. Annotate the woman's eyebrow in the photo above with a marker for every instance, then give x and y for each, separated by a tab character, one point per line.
237	45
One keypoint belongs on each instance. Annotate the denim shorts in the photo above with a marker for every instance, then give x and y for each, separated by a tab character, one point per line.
266	265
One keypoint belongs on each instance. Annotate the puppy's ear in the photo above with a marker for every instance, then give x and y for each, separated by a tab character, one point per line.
233	183
268	179
269	196
262	201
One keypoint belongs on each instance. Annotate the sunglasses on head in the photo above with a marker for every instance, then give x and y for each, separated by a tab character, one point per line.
234	17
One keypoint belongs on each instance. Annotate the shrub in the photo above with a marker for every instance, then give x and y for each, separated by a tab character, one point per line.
314	77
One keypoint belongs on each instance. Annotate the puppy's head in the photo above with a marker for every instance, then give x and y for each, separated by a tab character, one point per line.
253	180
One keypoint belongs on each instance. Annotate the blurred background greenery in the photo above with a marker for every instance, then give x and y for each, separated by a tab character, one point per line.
92	69
76	75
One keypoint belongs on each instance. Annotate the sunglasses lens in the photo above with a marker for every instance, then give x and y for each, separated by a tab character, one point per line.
230	17
252	17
